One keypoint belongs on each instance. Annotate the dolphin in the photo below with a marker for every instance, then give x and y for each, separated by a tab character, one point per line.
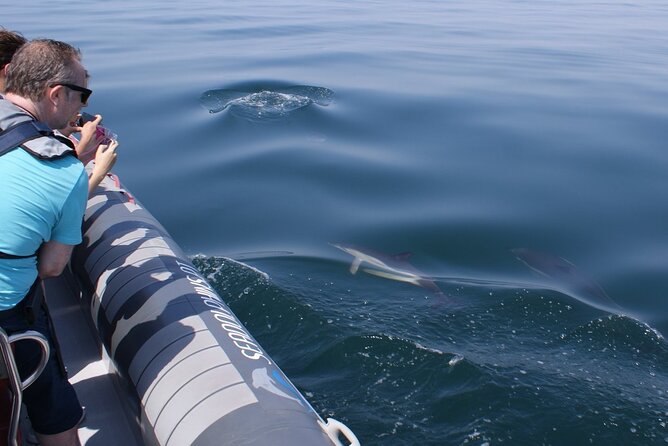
566	278
394	267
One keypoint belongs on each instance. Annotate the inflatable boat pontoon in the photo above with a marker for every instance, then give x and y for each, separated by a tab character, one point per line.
177	367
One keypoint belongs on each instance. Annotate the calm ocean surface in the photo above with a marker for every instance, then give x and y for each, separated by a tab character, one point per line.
458	131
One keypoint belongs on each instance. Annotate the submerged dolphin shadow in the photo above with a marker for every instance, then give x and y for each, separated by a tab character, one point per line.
393	267
565	278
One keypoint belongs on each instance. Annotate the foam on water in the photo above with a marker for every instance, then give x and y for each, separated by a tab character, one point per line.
265	103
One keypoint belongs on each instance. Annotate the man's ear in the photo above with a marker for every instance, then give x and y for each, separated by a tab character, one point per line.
55	94
3	75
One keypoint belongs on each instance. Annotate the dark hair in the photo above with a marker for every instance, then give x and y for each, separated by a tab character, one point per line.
10	42
39	64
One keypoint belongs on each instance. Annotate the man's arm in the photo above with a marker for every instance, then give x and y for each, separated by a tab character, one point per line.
52	259
105	158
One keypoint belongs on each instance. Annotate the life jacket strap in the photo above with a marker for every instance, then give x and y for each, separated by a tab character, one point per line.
20	133
12	138
4	255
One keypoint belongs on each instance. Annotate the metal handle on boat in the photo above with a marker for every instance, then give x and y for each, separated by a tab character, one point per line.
335	429
31	335
17	386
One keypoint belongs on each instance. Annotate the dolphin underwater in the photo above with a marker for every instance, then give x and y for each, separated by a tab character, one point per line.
393	267
567	279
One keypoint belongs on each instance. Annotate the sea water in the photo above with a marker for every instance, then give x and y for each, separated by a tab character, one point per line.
457	133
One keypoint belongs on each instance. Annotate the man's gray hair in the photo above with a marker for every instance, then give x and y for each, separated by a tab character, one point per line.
40	64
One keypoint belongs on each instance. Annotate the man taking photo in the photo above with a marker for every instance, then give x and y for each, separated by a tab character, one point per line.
44	191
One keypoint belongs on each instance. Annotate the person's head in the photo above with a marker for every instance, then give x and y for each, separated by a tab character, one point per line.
10	42
48	77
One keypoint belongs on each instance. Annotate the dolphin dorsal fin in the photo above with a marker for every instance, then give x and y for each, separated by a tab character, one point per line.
402	256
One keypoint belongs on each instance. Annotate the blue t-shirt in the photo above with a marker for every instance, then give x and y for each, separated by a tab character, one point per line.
41	201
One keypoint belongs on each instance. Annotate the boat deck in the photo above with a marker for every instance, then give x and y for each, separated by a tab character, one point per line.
109	419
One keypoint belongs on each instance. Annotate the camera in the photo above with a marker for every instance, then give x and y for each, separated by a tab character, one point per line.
84	118
102	133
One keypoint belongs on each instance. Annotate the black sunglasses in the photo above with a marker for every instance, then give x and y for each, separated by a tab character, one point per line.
85	92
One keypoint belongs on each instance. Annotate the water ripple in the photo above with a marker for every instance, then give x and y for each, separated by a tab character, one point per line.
262	101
